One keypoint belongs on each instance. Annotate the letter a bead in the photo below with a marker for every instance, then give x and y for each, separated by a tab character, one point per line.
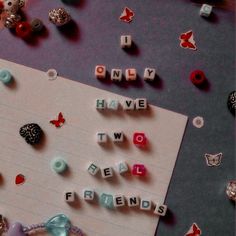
139	169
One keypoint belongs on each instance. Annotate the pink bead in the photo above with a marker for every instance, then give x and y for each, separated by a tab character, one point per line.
139	169
139	139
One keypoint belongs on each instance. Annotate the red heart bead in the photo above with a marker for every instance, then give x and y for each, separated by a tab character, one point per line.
20	179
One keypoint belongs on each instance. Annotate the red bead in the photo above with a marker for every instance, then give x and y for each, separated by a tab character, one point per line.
139	139
139	169
23	29
198	77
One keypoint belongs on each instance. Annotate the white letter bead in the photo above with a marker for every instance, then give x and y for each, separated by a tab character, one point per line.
100	72
93	169
88	194
101	137
116	74
149	74
101	104
141	103
118	200
133	201
205	10
107	172
122	167
118	137
128	104
113	105
130	74
69	196
160	209
145	205
125	41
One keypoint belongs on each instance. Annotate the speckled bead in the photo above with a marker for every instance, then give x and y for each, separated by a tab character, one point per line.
36	25
21	3
5	76
58	165
11	6
59	16
12	20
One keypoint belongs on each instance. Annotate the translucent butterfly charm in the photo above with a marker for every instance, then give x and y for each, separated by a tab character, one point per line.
213	159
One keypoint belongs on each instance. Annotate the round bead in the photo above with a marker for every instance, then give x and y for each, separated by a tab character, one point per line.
21	3
58	165
59	16
5	76
23	29
232	102
11	6
52	74
231	190
198	77
198	122
11	21
36	25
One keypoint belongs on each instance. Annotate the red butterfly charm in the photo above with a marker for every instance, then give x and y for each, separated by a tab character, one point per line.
187	41
194	230
127	15
59	122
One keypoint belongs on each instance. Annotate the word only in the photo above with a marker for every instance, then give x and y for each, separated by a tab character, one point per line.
109	201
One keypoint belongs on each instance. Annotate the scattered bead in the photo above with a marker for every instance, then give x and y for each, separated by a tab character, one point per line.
198	122
122	167
52	74
198	77
213	159
145	205
32	133
129	105
101	104
113	104
11	6
231	102
141	103
231	190
69	197
23	30
125	41
36	25
106	200
100	72
118	137
20	179
160	209
139	169
101	137
206	10
5	76
59	16
130	74
58	165
139	139
11	21
149	74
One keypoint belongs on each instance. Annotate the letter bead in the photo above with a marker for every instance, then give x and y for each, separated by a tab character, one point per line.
100	72
93	169
88	194
205	10
129	104
139	169
118	137
106	200
113	105
107	172
160	209
133	201
149	74
141	103
145	205
130	74
125	41
101	104
139	139
101	137
69	196
116	75
118	200
122	167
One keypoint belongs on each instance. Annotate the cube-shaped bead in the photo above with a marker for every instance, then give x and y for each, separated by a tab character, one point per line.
145	204
118	200
93	169
160	209
101	137
88	194
100	72
141	103
69	196
139	139
122	167
130	74
149	74
129	104
125	41
113	104
106	200
107	172
139	169
133	201
116	75
118	137
205	10
101	104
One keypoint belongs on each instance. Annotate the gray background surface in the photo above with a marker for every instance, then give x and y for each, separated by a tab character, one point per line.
197	192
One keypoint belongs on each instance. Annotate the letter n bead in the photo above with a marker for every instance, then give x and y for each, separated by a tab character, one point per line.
139	169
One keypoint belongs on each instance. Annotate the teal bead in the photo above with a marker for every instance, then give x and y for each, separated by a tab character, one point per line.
5	76
58	225
106	200
58	165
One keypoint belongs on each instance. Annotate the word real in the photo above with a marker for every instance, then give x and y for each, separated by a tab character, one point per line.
130	74
109	201
122	167
139	139
128	104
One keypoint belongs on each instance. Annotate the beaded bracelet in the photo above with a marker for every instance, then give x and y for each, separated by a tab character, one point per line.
58	225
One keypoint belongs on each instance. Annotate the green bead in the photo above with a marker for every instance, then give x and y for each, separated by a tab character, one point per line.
58	165
106	200
5	76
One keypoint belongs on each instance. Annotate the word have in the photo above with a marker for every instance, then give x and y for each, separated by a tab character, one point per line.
122	167
109	201
128	104
130	74
139	139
